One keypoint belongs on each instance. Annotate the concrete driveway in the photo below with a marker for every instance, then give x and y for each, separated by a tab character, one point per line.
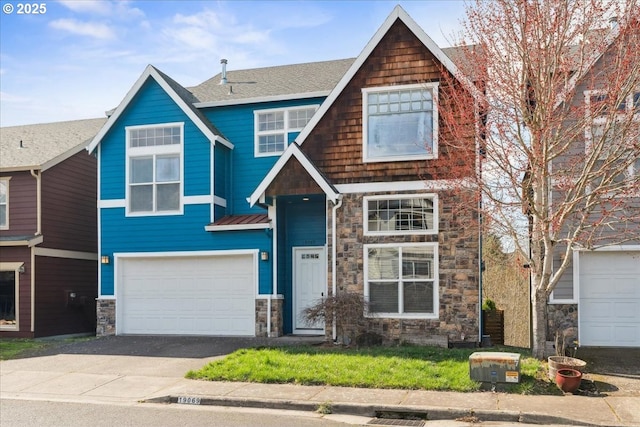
119	368
614	371
190	347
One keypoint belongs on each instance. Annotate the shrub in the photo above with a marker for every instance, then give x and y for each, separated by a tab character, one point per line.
347	309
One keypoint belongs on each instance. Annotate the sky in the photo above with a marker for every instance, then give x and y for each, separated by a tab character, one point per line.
77	59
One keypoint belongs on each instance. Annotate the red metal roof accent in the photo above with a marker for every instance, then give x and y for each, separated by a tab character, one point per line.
242	220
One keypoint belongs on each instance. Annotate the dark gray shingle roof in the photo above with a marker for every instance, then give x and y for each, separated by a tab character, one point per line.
45	142
273	81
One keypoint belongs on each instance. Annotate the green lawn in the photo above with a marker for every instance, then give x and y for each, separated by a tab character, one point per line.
403	367
13	347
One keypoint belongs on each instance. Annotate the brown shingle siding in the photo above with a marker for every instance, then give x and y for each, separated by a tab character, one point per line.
335	144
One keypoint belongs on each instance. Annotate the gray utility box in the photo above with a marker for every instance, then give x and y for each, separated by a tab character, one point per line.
494	367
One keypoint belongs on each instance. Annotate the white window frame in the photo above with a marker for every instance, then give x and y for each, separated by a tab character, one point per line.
435	281
433	197
575	271
588	132
157	150
5	181
15	267
431	86
285	131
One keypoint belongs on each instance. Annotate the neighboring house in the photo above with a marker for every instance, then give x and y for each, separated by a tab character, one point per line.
48	229
228	208
599	295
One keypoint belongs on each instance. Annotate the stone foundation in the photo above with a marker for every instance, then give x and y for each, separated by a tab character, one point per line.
562	319
262	308
106	317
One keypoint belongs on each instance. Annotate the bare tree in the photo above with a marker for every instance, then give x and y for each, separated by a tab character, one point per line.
559	128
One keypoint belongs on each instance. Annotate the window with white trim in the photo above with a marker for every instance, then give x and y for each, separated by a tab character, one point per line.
401	280
272	127
400	122
615	135
402	214
4	203
154	169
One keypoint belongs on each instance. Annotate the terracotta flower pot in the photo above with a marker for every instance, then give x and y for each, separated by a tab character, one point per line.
561	362
568	380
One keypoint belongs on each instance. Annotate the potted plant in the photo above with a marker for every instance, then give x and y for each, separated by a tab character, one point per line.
568	380
562	361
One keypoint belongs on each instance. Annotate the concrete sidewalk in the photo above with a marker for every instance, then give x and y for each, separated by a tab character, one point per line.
135	379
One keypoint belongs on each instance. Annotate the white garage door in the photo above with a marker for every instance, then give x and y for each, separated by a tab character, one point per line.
610	299
191	295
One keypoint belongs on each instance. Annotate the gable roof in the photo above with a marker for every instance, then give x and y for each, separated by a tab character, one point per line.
44	145
398	13
608	38
272	83
293	150
182	97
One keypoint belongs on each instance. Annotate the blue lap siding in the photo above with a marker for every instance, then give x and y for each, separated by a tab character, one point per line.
237	173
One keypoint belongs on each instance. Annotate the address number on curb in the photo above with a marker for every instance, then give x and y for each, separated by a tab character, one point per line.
187	400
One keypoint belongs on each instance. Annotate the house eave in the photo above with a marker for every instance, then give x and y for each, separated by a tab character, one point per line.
151	72
22	241
257	100
238	227
293	150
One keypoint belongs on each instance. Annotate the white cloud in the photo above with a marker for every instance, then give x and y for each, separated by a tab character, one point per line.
91	29
88	6
121	9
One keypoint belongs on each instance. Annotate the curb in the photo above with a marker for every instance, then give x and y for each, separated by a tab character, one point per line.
373	411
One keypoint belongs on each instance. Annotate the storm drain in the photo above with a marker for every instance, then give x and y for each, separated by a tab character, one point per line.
396	422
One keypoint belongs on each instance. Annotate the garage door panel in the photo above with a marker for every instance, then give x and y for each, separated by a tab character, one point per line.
188	296
610	299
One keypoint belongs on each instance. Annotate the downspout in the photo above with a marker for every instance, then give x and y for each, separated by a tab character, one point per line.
38	176
274	263
480	271
334	287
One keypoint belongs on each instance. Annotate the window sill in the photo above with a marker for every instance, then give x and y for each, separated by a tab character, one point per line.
399	158
425	316
562	301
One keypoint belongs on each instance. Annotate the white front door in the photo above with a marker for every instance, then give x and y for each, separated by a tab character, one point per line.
309	286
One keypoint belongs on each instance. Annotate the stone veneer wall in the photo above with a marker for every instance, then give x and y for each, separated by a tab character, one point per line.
458	279
562	319
106	317
276	317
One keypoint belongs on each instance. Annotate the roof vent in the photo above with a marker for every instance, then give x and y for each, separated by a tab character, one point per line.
21	145
223	79
613	22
